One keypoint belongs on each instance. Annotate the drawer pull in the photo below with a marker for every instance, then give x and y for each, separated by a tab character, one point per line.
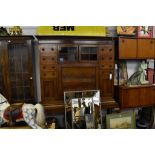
110	50
52	49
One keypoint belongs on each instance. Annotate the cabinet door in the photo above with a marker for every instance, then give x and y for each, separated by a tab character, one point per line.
129	98
49	89
19	71
127	48
88	53
68	53
146	48
106	84
147	96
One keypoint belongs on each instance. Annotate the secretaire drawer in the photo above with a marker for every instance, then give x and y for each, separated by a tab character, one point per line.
48	67
48	59
50	74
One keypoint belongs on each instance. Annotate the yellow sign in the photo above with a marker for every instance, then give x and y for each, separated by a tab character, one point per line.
72	30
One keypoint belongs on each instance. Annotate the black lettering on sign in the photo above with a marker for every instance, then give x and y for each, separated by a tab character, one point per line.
63	28
55	28
70	28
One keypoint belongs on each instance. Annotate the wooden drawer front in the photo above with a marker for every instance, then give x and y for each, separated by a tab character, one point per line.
48	60
49	74
79	85
107	50
48	68
48	49
107	57
107	65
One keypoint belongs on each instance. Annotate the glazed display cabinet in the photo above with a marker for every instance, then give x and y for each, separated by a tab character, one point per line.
16	71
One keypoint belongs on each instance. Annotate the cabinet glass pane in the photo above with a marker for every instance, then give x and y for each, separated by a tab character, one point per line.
18	58
88	53
67	54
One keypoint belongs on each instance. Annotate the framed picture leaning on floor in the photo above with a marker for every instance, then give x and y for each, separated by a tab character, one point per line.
123	120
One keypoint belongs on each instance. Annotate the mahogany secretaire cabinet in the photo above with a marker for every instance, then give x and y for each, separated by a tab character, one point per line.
76	63
16	71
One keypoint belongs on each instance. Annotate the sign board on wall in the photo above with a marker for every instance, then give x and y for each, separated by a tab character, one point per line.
72	30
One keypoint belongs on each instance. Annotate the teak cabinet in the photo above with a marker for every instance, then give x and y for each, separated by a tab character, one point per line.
16	71
75	64
132	48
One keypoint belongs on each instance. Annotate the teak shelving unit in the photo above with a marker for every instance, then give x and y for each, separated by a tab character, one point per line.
130	48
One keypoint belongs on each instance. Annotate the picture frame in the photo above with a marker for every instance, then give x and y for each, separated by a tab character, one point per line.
123	120
127	30
122	75
145	32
